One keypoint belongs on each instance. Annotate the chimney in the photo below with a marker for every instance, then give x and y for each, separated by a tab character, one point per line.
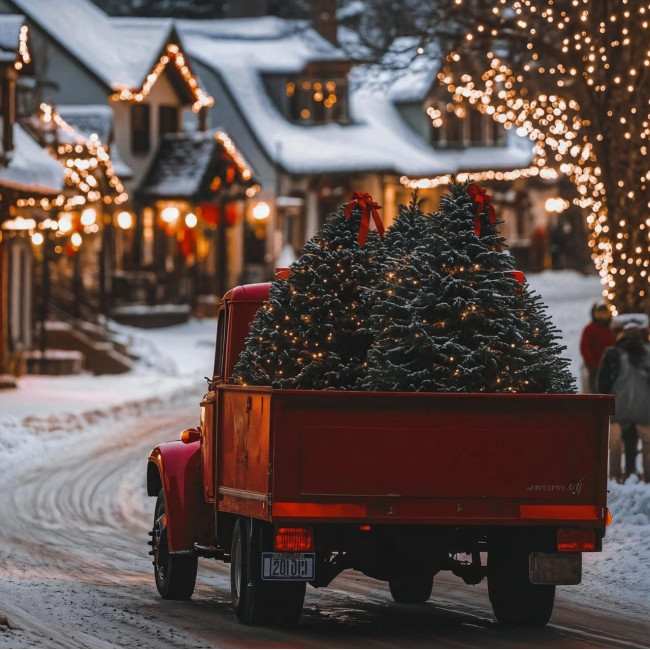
245	8
323	18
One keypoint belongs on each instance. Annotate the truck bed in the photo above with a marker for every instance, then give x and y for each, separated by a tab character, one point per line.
418	458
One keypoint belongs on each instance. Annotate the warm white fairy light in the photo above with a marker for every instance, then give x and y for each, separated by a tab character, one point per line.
24	56
173	53
226	142
547	173
83	160
597	134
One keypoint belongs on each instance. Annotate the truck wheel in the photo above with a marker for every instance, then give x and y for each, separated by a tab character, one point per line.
411	589
256	601
175	574
515	601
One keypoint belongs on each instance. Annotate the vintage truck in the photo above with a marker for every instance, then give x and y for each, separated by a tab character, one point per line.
295	486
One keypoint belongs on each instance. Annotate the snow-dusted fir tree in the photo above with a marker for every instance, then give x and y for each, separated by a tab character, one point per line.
449	316
313	332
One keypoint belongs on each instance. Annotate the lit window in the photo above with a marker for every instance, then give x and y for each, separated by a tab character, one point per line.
317	100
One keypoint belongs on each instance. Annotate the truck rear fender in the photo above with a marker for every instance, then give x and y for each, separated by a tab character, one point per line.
175	467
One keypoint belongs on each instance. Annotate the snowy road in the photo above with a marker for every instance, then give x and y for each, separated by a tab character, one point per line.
74	571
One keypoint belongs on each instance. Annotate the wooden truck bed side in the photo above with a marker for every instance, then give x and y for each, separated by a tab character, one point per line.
455	459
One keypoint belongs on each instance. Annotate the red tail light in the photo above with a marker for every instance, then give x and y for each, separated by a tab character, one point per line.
576	539
294	539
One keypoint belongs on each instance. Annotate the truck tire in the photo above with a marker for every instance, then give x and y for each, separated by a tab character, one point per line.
515	601
257	601
175	574
411	589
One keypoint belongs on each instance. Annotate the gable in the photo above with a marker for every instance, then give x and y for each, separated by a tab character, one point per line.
120	53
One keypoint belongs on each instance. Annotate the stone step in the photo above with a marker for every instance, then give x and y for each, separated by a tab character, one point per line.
100	357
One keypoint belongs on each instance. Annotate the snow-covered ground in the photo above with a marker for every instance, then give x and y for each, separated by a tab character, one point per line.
171	370
175	360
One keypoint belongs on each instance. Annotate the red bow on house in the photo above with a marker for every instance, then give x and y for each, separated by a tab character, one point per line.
368	207
483	200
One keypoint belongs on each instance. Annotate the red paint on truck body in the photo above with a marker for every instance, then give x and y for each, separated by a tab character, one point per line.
306	457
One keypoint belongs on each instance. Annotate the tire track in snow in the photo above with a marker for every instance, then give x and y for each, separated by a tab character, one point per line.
74	570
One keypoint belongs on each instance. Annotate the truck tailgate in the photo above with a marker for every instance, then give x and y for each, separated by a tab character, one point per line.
439	458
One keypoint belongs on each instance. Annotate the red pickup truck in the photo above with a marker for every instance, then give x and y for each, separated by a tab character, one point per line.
294	486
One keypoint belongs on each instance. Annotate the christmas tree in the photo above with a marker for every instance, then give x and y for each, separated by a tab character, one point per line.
449	316
313	332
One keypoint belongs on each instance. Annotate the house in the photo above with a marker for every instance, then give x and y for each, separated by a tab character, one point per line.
316	128
128	85
26	170
233	139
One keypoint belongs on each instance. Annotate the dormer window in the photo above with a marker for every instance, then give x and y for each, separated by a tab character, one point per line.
457	126
318	100
140	128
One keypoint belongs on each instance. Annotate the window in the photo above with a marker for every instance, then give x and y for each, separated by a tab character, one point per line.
167	119
477	129
318	100
456	126
220	348
496	133
140	128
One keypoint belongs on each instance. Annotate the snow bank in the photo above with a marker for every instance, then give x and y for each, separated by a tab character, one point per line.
620	575
170	372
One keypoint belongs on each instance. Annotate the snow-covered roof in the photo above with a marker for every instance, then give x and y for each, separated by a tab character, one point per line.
92	37
31	168
121	52
406	72
10	26
182	162
242	51
97	119
87	119
180	165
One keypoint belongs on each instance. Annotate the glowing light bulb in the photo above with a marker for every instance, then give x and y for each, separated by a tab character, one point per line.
125	220
261	211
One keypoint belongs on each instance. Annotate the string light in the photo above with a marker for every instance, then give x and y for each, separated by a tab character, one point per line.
83	160
226	142
23	49
173	54
547	173
597	135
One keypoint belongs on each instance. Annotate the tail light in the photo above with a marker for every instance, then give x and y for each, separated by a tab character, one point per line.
576	539
294	539
608	518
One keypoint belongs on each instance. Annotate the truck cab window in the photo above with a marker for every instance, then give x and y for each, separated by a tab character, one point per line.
220	346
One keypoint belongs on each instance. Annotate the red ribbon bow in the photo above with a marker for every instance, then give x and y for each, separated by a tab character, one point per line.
364	201
483	200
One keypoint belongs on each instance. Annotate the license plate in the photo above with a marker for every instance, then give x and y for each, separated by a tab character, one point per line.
288	566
